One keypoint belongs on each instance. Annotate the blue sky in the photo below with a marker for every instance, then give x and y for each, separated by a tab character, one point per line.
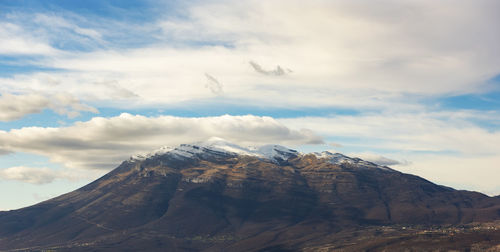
86	84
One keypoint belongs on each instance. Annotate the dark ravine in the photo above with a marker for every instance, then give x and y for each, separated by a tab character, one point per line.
222	201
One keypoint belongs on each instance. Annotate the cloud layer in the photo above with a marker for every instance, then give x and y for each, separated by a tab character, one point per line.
446	147
343	53
102	143
33	175
13	107
378	159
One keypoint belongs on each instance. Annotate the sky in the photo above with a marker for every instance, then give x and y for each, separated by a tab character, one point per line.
84	85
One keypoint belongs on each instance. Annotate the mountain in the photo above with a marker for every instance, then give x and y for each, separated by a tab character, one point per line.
218	196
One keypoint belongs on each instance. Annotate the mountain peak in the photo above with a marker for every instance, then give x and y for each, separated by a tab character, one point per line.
273	152
220	146
203	196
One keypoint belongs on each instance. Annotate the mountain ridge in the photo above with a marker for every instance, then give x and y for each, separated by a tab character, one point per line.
202	198
273	152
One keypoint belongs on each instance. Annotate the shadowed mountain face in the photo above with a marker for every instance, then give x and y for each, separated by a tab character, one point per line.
220	196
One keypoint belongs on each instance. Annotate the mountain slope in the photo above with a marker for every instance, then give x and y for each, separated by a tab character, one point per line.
215	195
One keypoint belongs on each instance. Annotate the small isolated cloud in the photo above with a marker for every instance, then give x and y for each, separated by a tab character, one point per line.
335	145
4	152
68	105
102	143
276	72
380	160
33	175
13	107
214	85
115	90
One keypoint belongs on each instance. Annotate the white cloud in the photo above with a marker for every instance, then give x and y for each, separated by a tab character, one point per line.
413	46
13	107
33	175
18	41
378	159
475	173
445	147
82	86
344	54
451	131
102	143
58	22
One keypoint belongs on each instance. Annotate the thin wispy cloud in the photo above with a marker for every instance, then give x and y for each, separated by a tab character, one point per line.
276	72
35	175
16	41
14	107
379	159
214	85
57	22
116	91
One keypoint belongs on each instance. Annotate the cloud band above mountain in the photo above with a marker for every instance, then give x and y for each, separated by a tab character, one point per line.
102	143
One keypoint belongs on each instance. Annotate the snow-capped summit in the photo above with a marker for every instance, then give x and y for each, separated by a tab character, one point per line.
162	150
275	152
216	146
219	146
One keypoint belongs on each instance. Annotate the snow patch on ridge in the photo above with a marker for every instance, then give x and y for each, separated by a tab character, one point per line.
160	151
273	152
221	146
337	158
276	152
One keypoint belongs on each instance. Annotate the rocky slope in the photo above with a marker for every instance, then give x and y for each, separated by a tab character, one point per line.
219	196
